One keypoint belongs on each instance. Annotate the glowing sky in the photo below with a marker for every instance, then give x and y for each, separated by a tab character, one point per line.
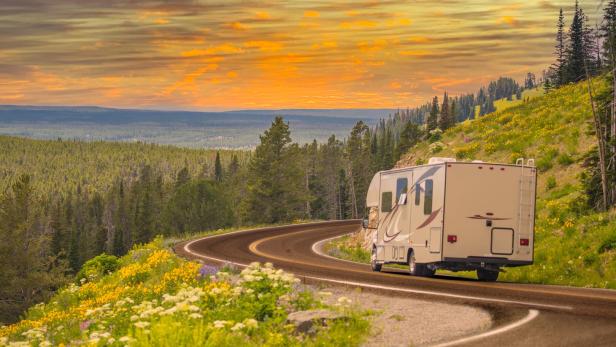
217	54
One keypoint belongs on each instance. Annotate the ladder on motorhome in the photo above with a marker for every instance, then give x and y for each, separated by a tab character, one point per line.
526	213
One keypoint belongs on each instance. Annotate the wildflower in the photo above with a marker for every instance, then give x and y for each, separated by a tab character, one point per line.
45	344
134	318
220	324
195	315
124	339
85	324
251	323
207	270
141	324
323	293
237	326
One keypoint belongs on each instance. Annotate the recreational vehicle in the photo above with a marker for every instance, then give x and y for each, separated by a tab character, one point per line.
453	215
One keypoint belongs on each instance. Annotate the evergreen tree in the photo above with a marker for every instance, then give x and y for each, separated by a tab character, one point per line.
409	137
217	168
608	34
432	122
576	54
30	272
558	68
275	190
443	123
234	165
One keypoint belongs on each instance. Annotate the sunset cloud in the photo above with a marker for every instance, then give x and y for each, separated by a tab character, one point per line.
222	54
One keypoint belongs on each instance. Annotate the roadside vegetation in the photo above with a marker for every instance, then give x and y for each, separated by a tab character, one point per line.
152	297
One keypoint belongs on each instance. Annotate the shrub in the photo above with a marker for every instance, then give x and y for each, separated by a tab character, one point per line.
97	267
550	183
565	159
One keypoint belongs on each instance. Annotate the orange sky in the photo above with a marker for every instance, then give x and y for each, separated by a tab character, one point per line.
212	55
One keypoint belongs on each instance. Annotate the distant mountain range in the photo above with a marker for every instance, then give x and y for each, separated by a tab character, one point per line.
185	128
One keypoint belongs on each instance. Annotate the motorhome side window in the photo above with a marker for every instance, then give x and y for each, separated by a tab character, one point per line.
417	194
428	197
401	187
386	202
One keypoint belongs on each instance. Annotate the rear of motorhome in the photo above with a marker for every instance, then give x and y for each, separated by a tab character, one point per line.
453	215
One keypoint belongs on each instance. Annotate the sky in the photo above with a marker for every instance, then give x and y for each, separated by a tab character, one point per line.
228	54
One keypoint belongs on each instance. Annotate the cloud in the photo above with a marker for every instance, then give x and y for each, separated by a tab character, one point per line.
509	20
262	15
225	48
266	46
236	26
311	14
358	24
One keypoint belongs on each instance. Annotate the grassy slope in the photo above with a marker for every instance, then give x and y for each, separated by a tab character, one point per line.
571	248
157	298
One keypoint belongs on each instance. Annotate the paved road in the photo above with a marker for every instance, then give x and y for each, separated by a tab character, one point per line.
567	316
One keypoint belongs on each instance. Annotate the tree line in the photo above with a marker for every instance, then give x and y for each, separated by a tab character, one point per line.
581	54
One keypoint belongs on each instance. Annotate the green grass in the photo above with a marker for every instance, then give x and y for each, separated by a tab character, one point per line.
573	246
150	297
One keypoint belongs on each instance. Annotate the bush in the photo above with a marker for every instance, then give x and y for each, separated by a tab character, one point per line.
550	183
97	267
565	159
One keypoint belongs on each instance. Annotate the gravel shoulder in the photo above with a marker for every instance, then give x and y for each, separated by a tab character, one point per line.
400	321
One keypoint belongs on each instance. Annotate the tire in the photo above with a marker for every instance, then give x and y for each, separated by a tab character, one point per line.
373	264
487	275
416	269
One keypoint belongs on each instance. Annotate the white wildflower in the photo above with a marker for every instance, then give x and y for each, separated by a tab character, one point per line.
124	339
195	315
238	326
220	324
141	324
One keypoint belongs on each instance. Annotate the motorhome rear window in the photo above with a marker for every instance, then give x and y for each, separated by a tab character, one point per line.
417	194
428	197
386	202
401	187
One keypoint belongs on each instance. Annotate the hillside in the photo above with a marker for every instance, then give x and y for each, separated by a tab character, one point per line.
573	245
151	297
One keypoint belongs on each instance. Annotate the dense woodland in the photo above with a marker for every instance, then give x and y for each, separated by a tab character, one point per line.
63	202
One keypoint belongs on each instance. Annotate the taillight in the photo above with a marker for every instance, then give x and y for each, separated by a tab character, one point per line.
524	242
452	238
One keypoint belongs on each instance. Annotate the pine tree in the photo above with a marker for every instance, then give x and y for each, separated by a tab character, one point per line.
443	121
576	54
275	190
217	168
432	122
558	68
234	165
608	33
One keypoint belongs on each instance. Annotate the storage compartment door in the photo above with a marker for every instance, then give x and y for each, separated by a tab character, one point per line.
502	241
435	240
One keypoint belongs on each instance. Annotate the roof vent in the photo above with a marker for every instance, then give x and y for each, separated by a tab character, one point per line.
438	160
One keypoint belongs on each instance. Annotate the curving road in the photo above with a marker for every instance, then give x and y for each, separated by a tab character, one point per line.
567	316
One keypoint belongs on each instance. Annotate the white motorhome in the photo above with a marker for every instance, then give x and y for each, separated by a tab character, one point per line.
453	215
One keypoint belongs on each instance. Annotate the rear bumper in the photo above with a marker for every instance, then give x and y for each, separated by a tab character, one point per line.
488	260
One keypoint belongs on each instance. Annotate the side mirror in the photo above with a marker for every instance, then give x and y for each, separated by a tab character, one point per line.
402	200
364	223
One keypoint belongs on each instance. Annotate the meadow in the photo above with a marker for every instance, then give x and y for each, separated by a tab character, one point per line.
151	297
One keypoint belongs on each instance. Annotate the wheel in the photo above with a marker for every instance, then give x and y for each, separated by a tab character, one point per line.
487	275
416	269
375	266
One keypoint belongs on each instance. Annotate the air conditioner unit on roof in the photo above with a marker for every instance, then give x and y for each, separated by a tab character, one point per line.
438	160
